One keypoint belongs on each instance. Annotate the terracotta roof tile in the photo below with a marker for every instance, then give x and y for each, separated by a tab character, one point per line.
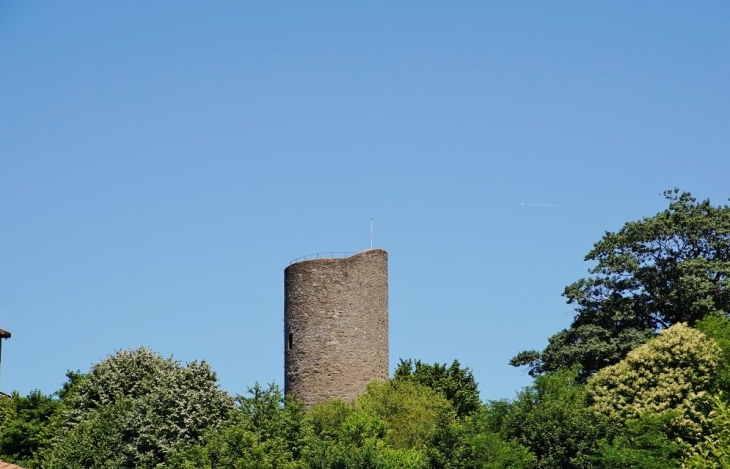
7	465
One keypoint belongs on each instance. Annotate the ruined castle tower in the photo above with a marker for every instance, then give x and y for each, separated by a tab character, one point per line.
335	326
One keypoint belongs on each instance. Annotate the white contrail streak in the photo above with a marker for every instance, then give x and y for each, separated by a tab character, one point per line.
549	205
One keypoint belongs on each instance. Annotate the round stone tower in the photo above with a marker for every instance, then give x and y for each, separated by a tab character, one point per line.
335	326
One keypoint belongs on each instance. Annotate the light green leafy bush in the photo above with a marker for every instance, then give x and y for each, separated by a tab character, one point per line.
410	410
676	371
714	452
348	436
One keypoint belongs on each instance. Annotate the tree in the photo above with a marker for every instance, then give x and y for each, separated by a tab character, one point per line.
718	328
358	440
133	408
455	383
552	419
410	410
642	443
653	273
266	431
674	372
714	452
387	428
25	426
474	442
104	439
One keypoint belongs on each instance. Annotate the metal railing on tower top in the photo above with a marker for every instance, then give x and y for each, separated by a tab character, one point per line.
323	255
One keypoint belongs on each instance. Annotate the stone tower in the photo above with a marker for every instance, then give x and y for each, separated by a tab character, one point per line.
335	326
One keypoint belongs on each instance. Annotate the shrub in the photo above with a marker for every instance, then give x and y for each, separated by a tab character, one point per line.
676	371
133	408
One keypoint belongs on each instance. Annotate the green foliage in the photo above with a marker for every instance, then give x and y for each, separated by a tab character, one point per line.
384	429
455	383
25	426
670	268
552	419
714	451
675	372
473	443
233	447
265	432
642	443
325	420
361	443
350	436
718	328
390	426
69	388
273	417
102	440
133	407
411	411
403	424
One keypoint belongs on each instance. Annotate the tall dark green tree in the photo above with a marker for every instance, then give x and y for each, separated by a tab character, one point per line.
29	423
266	431
718	328
455	383
652	273
25	425
475	442
552	419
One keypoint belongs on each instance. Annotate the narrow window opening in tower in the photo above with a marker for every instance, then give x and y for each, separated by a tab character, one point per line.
291	340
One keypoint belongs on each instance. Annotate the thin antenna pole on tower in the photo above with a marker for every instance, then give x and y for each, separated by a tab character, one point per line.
371	233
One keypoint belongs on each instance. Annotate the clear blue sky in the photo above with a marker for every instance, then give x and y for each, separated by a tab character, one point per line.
162	162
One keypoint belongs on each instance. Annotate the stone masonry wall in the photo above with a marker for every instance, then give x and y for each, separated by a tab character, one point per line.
335	326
